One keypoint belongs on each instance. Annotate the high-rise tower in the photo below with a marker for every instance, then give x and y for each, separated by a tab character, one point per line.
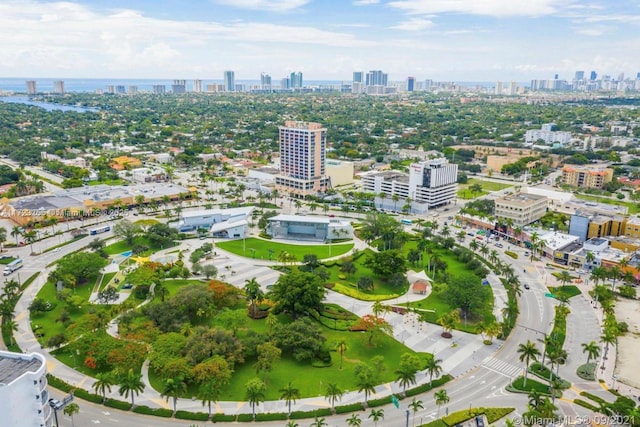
229	81
302	158
32	87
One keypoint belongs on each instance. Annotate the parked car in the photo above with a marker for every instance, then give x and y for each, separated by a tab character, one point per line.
479	421
527	286
499	245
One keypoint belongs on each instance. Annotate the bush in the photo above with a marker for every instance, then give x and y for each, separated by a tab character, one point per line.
585	404
511	254
593	397
118	404
345	409
195	416
223	417
627	291
587	371
426	387
494	414
56	382
271	417
85	395
245	418
324	412
459	417
380	402
158	412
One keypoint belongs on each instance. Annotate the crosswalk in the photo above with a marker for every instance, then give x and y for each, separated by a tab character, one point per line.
501	367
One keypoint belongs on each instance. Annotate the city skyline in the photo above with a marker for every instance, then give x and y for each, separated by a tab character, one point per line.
462	40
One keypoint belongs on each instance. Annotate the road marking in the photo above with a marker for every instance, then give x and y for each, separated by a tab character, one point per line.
95	421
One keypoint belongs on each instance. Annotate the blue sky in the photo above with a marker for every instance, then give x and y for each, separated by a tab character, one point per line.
462	40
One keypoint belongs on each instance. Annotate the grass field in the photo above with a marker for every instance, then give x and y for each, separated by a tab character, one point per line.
122	246
262	247
567	290
487	187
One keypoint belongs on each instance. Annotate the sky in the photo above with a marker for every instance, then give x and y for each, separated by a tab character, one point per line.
442	40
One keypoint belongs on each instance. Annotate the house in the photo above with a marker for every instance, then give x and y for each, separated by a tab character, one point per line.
420	287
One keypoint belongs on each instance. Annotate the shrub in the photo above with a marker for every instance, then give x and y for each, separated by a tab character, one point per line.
118	404
85	395
593	397
459	417
379	402
494	414
271	417
158	412
587	371
56	382
223	417
585	404
345	409
245	418
324	412
196	416
511	254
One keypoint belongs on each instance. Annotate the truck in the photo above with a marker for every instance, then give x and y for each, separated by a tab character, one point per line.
12	266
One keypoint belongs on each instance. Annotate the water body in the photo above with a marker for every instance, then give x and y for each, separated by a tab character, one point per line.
49	106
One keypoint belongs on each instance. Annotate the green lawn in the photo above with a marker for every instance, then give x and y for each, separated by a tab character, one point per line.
541	388
309	380
567	290
487	187
6	260
123	246
262	247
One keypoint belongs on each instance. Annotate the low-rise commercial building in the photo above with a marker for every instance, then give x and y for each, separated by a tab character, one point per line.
24	398
521	208
586	176
300	227
233	222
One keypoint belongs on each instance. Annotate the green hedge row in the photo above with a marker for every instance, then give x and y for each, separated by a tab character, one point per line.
223	417
85	395
345	409
323	412
585	404
593	397
494	414
118	404
244	418
195	416
276	416
158	412
511	254
380	402
426	387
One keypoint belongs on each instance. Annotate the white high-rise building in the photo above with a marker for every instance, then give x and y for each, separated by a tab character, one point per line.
229	81
58	87
197	86
32	87
24	398
429	184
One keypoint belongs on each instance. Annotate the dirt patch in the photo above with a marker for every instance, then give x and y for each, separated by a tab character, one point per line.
628	345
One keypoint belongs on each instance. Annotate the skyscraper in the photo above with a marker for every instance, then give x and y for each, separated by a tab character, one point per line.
158	89
376	78
593	76
358	77
579	75
197	86
302	158
265	81
58	87
411	83
32	87
229	81
296	79
179	86
285	83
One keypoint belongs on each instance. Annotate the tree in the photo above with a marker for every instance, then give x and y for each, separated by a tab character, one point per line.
333	394
366	380
415	405
341	348
348	267
71	409
406	373
126	230
254	294
254	393
592	350
173	387
79	266
528	352
131	384
442	398
465	291
297	293
16	231
354	420
386	263
268	355
30	237
318	422
103	384
209	392
376	415
564	277
374	327
289	394
433	367
365	283
302	338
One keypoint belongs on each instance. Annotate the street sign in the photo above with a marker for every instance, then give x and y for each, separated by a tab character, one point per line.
395	401
549	295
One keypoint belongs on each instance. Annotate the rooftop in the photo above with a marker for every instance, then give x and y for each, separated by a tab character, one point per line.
246	210
521	198
302	218
557	241
14	365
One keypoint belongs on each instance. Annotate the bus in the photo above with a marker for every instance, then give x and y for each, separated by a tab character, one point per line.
99	230
406	221
12	266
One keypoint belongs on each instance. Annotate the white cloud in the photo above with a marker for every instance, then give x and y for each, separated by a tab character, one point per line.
266	5
365	2
414	24
499	8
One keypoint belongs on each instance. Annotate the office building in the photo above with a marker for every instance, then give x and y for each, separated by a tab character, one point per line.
593	76
179	86
302	158
579	75
299	227
513	89
376	78
32	87
24	398
285	83
58	87
498	90
411	84
111	89
132	90
586	176
229	81
197	86
296	80
429	184
158	89
521	208
358	77
265	81
547	135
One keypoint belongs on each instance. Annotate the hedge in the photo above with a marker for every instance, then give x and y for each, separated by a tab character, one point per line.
324	412
158	412
223	417
511	254
460	416
118	404
593	397
195	416
245	418
352	407
85	395
426	387
585	404
56	382
494	414
276	416
435	423
379	402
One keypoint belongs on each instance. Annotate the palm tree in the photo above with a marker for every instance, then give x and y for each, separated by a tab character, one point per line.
442	398
415	405
589	258
209	392
528	352
535	399
592	350
565	277
103	384
173	387
474	245
341	348
3	237
254	394
131	385
292	423
318	422
406	375
16	231
333	394
433	367
376	415
30	237
9	326
71	409
367	386
354	420
289	394
254	294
